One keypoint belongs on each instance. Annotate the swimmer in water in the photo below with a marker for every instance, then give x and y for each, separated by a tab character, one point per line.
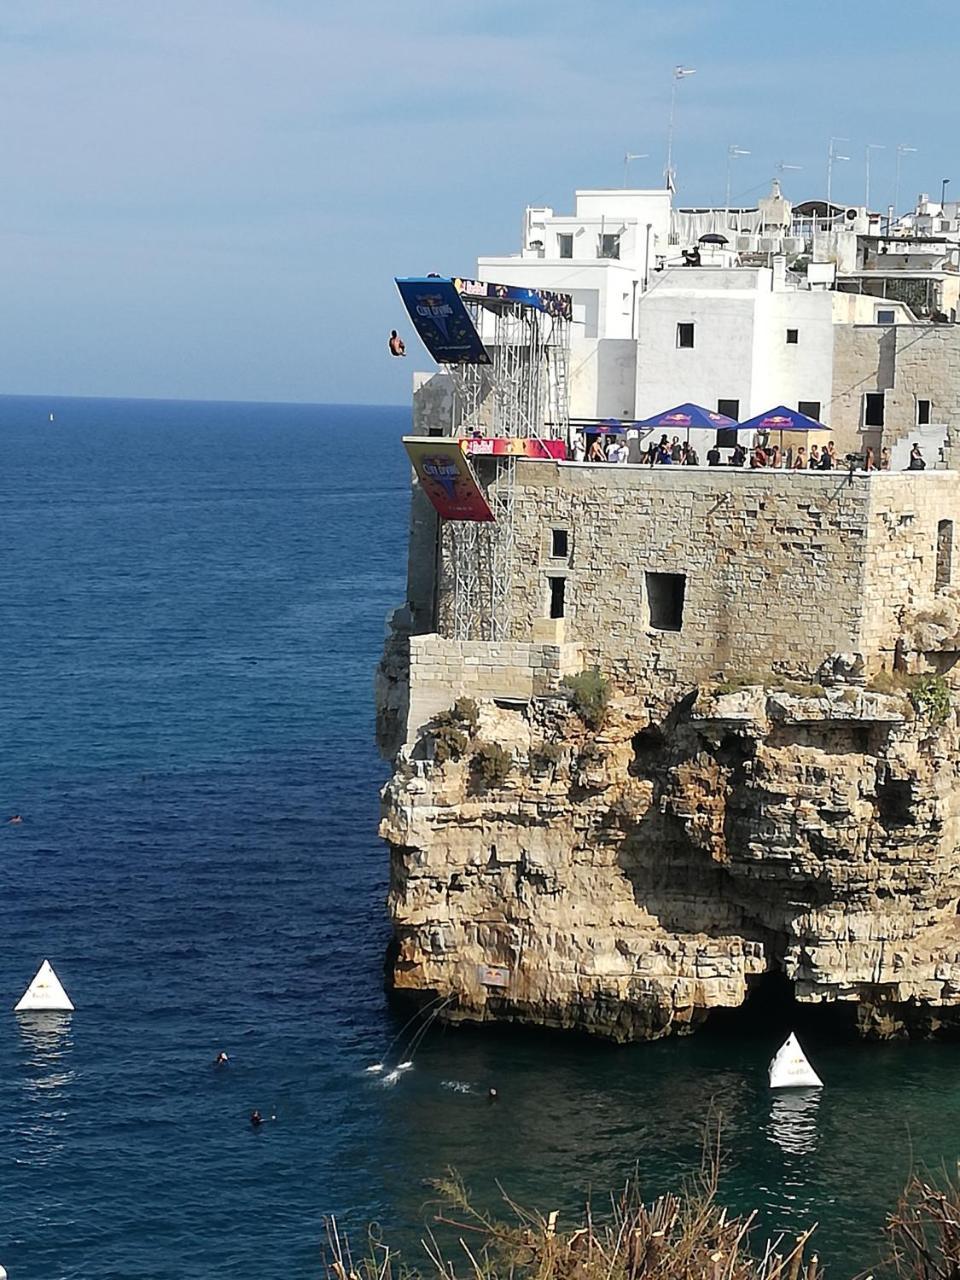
221	1059
491	1096
15	819
256	1119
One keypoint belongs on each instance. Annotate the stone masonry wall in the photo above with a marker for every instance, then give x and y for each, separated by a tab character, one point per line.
901	554
906	362
443	670
773	562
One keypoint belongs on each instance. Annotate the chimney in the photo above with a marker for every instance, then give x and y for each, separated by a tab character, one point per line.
779	265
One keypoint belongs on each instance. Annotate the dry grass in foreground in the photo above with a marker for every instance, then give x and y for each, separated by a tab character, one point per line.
676	1237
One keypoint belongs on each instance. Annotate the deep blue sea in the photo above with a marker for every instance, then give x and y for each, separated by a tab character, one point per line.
192	600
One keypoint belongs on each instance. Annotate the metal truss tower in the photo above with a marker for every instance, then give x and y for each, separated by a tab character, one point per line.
522	393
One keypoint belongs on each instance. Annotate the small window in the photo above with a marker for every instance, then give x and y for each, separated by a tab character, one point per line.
793	337
559	544
810	407
873	409
558	589
923	413
609	247
726	438
665	592
944	554
684	335
886	316
565	244
729	408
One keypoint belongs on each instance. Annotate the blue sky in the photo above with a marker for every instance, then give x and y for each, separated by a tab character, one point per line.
210	198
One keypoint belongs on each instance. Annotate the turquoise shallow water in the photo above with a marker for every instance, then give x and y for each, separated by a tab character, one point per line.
193	600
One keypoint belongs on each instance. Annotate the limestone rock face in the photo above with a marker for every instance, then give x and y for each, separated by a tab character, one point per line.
629	879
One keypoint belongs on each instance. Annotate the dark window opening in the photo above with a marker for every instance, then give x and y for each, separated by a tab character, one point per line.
811	408
559	543
944	554
895	801
609	247
923	413
726	437
684	335
793	337
886	317
558	588
665	592
873	409
729	409
565	245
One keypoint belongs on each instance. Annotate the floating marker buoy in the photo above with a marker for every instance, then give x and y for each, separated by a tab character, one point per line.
45	993
789	1068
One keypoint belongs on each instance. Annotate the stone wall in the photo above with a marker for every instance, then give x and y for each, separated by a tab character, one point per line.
773	566
906	511
443	670
907	362
779	570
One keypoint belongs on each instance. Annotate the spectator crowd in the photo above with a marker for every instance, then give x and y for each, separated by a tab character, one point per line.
666	453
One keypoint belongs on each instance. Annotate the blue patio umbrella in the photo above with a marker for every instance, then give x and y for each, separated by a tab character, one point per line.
782	419
685	416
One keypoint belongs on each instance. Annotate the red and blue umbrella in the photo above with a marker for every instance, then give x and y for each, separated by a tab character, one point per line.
782	419
685	416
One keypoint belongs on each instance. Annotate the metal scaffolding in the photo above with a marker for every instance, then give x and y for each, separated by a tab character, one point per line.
521	393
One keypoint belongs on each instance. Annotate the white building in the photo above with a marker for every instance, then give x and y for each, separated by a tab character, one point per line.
732	329
603	255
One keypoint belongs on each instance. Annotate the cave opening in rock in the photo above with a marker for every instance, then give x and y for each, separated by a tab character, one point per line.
895	801
772	1010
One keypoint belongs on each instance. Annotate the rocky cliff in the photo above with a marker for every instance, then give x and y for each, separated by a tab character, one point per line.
629	875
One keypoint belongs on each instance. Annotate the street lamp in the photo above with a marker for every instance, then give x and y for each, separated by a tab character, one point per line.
902	150
871	146
832	156
679	73
944	183
632	155
732	152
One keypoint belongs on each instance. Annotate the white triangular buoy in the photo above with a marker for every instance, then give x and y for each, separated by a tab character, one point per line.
44	993
789	1068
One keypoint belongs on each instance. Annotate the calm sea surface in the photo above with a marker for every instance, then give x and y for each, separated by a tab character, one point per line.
192	599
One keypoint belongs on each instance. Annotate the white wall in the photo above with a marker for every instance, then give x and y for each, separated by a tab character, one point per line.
597	287
720	364
602	378
784	373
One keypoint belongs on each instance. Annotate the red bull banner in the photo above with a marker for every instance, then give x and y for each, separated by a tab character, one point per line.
447	479
514	446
